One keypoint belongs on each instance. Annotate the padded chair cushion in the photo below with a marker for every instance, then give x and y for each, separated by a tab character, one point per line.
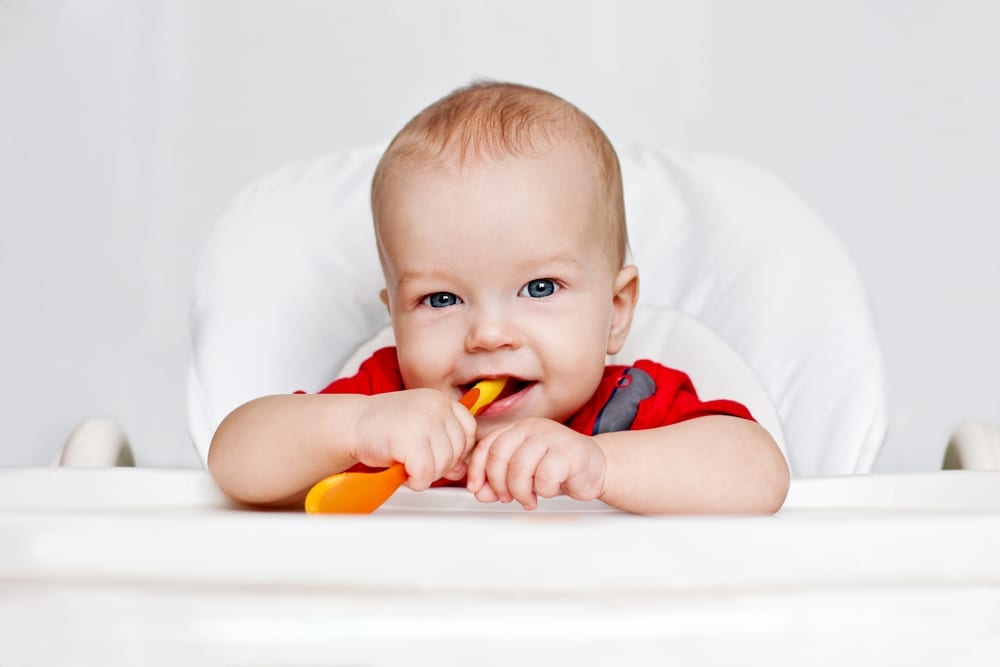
289	280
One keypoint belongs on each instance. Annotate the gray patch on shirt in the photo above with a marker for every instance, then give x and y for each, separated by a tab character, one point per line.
620	411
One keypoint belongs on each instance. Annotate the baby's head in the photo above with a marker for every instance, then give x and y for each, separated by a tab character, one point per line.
486	122
500	226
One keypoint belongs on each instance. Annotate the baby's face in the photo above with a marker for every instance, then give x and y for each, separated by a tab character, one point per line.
502	269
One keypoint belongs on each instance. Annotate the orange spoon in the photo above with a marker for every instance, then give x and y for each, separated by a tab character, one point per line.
364	492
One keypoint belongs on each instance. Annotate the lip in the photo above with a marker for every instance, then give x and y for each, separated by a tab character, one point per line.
502	405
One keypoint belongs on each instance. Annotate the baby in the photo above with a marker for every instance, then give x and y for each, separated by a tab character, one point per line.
500	226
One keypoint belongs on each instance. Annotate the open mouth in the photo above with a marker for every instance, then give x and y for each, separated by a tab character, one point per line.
513	386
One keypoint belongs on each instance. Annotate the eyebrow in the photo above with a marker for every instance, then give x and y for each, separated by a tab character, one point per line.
559	258
417	276
525	265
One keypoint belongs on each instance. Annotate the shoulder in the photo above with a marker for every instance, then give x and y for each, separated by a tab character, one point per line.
642	379
662	375
676	399
644	395
615	404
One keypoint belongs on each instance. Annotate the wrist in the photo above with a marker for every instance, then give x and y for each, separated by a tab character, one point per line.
606	464
343	428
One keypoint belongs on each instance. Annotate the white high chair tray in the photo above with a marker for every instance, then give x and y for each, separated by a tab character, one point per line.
145	566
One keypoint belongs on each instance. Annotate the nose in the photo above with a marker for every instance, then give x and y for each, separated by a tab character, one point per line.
491	330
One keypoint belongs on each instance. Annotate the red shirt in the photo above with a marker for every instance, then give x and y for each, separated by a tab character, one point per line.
644	395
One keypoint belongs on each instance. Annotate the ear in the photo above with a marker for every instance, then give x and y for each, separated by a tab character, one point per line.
384	296
626	293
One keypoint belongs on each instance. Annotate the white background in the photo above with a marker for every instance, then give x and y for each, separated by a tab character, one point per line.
126	128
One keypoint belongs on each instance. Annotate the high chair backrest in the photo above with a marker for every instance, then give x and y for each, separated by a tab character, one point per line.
742	286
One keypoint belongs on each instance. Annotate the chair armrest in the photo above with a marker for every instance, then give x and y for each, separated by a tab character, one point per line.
975	445
96	443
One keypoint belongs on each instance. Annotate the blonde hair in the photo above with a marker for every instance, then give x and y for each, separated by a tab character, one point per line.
491	120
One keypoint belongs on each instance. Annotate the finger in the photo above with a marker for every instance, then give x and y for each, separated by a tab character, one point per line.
468	425
486	495
521	472
461	439
457	472
476	474
551	472
443	450
498	461
447	440
419	466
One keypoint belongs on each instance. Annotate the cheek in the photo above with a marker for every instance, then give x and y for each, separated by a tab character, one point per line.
583	331
413	359
423	360
573	382
576	350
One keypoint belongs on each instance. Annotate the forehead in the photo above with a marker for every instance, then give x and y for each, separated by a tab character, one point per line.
551	199
430	195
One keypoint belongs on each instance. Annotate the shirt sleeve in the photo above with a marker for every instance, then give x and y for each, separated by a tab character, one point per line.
378	374
675	400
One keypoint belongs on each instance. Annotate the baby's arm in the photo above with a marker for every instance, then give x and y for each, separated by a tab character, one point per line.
709	465
714	464
270	451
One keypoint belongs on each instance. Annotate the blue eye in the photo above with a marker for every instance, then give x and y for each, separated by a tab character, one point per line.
441	300
539	288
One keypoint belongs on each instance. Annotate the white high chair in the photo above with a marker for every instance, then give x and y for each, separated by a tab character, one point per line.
741	285
873	569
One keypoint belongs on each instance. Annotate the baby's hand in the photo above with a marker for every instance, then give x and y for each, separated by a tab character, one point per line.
536	457
424	430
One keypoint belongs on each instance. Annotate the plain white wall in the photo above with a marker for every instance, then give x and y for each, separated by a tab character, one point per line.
126	128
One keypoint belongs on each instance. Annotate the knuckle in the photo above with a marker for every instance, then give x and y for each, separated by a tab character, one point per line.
495	456
546	482
547	492
519	465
